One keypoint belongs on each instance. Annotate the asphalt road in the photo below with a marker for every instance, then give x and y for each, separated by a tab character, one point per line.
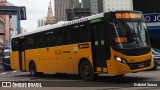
71	82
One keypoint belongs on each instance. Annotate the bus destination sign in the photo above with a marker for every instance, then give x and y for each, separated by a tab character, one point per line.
124	15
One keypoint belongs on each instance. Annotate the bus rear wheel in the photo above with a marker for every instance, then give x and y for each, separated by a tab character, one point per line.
33	70
86	71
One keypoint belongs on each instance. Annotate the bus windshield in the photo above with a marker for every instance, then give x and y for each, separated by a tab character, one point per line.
129	35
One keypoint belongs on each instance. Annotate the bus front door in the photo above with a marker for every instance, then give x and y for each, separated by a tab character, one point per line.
100	46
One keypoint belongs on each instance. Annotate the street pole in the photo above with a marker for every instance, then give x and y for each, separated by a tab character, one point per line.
18	23
73	11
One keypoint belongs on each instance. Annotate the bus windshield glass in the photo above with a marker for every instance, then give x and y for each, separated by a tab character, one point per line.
129	35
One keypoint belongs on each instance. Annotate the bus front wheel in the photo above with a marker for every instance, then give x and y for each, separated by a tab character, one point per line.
33	70
86	71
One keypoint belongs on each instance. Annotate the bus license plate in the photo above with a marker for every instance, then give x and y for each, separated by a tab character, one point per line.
140	65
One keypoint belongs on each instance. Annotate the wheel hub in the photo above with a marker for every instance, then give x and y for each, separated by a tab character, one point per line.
86	70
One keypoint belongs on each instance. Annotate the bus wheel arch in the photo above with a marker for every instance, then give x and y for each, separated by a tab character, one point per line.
33	69
86	70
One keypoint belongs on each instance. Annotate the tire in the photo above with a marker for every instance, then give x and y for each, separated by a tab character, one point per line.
33	70
86	71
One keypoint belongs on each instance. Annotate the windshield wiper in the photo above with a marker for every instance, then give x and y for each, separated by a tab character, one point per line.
139	26
117	36
135	34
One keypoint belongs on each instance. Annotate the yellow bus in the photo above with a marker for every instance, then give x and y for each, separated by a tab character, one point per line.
113	43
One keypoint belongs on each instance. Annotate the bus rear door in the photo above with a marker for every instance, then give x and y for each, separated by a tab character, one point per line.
22	62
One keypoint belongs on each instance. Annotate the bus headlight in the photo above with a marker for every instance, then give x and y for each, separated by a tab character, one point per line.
118	59
121	60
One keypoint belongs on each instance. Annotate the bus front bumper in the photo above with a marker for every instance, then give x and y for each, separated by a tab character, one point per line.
120	68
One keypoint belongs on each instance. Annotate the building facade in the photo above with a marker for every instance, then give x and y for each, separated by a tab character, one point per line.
92	5
2	30
61	6
42	22
50	17
2	26
99	6
112	5
147	6
78	13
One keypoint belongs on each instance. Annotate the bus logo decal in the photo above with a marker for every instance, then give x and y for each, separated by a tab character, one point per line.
85	45
75	49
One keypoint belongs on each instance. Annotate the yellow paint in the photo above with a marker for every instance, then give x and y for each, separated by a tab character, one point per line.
55	59
98	69
117	68
105	70
23	62
65	59
14	56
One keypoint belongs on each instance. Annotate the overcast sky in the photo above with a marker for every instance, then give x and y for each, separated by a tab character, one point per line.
36	9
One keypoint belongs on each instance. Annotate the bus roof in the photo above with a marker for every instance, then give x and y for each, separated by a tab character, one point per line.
66	23
60	24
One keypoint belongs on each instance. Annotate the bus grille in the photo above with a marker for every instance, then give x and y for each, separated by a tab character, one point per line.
139	65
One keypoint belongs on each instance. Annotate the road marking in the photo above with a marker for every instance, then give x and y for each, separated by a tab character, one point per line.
3	73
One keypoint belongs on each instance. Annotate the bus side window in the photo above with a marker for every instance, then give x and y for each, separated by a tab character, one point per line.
53	39
73	34
77	33
35	42
62	36
30	42
50	38
67	35
58	35
80	34
41	39
84	32
47	41
15	44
